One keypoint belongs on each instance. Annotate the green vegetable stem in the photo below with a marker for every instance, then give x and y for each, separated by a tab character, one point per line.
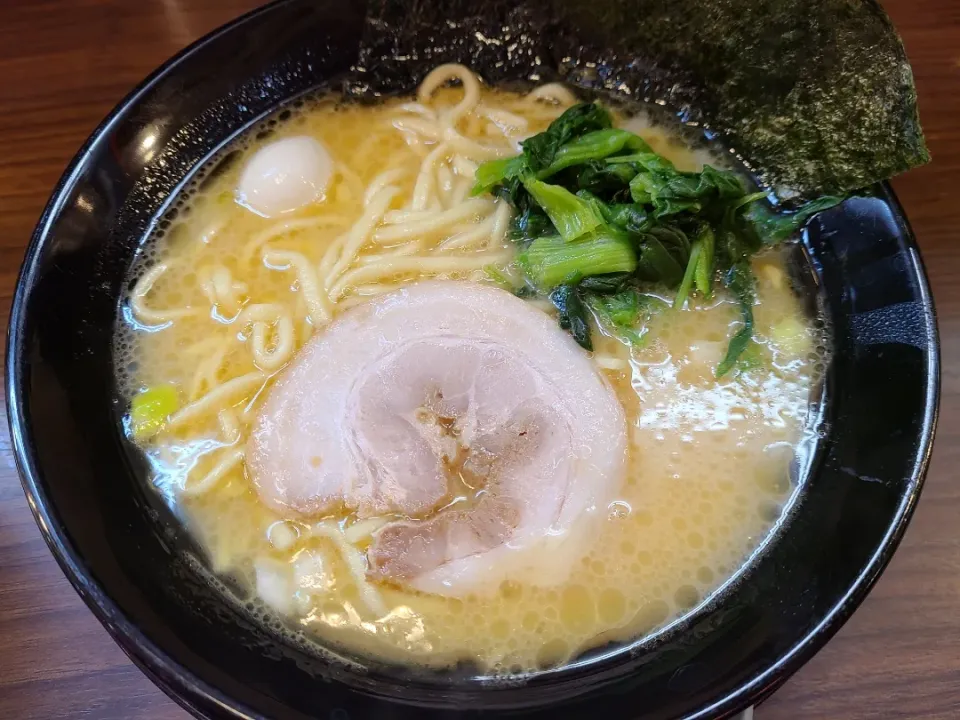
549	261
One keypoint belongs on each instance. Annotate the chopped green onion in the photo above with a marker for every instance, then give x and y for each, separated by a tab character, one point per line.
150	409
791	337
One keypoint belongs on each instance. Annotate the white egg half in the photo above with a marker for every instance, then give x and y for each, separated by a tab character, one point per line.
284	176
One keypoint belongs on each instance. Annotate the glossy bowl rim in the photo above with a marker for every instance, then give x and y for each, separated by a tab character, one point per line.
174	678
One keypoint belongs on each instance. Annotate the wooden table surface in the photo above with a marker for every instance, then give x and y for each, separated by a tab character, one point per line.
65	63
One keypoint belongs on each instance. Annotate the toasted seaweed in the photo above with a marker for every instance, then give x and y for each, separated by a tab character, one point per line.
814	96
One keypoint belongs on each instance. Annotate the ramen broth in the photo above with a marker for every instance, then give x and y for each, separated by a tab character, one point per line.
708	463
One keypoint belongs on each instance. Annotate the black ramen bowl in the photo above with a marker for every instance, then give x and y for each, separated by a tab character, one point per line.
134	566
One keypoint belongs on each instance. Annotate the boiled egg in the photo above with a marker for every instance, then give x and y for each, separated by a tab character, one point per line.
284	176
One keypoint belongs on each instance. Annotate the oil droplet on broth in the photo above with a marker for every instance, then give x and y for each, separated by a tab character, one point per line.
577	609
686	597
500	629
705	575
611	606
708	469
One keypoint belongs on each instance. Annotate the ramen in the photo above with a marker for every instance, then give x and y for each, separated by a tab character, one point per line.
347	375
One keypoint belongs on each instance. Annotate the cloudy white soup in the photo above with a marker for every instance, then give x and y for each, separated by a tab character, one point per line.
475	375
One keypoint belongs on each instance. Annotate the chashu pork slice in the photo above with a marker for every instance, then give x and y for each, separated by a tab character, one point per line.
461	412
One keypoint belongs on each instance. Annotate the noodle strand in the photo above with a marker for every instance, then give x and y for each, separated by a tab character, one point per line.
138	300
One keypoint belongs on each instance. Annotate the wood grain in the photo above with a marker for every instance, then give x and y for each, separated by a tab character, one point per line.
65	63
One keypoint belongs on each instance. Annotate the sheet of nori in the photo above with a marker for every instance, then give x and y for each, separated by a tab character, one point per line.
815	96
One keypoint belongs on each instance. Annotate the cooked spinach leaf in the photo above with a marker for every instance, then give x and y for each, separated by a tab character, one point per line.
773	228
530	223
497	172
540	150
622	308
606	284
686	283
739	280
572	313
619	314
606	180
655	263
671	192
703	275
646	160
573	217
629	217
596	145
549	261
598	211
